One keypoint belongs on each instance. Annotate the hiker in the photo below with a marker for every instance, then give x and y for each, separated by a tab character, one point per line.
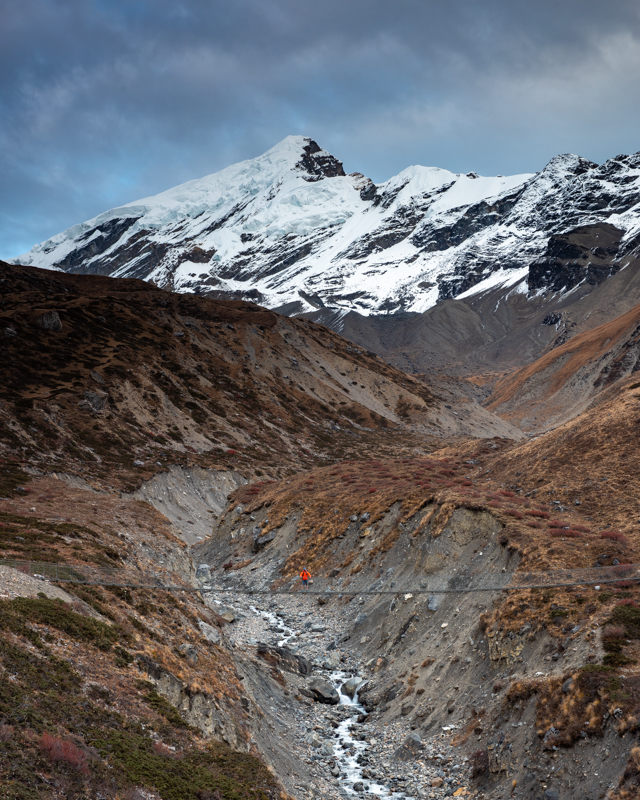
305	575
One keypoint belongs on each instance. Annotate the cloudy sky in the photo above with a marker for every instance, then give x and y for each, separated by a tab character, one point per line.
106	101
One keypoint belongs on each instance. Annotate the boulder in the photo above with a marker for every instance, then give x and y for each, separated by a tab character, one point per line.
190	653
285	659
261	541
331	663
227	616
350	687
323	692
96	376
410	748
50	321
210	633
435	601
360	620
94	401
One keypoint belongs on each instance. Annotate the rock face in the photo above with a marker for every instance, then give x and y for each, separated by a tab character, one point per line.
298	234
323	692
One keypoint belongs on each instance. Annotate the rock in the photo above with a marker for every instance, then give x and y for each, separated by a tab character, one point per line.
567	685
261	541
203	572
324	692
353	518
138	463
318	628
331	663
50	321
10	332
365	517
281	657
334	573
434	602
360	620
94	401
358	787
97	377
227	616
410	748
190	653
327	749
350	687
436	782
210	633
551	794
315	740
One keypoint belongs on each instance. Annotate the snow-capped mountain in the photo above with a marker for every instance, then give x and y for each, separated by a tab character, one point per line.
292	231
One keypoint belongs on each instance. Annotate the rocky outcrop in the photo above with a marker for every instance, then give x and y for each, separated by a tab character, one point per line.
284	659
197	708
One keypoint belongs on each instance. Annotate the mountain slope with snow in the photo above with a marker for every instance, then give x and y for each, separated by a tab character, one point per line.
292	231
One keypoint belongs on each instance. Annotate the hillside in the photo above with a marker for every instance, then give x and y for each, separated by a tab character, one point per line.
564	381
117	379
194	454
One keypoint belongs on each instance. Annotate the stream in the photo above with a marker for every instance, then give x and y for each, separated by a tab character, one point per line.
346	748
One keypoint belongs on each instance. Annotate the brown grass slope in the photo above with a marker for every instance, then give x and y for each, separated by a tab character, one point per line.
565	380
128	378
84	681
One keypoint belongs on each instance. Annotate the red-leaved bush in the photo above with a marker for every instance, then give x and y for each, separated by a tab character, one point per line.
6	732
628	602
540	514
512	512
534	524
64	752
613	632
565	532
161	749
615	536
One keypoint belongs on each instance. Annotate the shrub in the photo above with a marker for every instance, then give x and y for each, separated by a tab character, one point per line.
371	490
615	536
556	523
161	749
6	732
512	512
613	632
541	514
65	752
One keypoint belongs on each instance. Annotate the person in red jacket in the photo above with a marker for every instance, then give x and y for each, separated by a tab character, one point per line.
305	575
